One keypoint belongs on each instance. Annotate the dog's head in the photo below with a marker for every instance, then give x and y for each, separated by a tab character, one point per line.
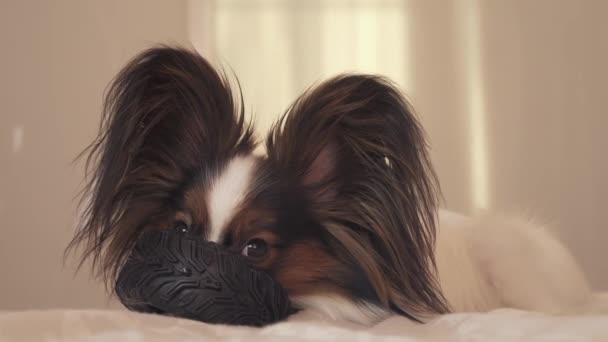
340	211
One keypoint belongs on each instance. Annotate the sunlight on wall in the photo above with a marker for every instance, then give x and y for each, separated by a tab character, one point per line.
366	36
476	106
278	48
367	44
252	42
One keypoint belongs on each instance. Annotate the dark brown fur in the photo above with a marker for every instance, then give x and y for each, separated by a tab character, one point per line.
377	201
346	195
169	120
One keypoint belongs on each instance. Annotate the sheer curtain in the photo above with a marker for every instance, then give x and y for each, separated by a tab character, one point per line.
511	93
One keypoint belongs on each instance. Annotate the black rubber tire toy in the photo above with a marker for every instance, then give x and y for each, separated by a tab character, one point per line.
175	274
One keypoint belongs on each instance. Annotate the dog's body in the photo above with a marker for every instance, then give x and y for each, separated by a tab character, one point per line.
341	211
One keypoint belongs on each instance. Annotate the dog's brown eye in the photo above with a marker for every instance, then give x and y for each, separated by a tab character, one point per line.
255	249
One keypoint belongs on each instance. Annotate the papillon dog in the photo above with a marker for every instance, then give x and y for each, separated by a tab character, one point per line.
341	210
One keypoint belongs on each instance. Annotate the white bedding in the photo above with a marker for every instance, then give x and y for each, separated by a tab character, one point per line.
106	325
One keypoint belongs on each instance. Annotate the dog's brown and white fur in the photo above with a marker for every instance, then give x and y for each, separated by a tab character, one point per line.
341	211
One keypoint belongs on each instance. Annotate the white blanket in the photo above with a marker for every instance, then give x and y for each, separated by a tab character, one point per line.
115	326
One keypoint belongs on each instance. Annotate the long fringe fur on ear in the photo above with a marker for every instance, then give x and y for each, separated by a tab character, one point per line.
384	209
167	116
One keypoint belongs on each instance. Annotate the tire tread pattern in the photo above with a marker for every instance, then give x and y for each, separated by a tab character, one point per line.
180	275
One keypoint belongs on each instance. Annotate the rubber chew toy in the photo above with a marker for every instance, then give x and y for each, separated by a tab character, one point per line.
184	276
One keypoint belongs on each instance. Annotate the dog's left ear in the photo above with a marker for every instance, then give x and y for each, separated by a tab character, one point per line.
170	120
354	145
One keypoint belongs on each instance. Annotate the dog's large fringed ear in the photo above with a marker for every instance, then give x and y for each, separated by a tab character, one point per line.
168	117
355	146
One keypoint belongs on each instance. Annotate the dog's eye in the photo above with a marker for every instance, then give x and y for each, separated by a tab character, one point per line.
255	249
181	227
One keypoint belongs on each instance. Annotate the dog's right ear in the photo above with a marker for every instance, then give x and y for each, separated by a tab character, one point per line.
168	117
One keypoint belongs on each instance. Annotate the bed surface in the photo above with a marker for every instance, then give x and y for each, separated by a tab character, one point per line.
119	325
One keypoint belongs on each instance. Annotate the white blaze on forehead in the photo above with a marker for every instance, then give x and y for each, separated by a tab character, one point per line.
227	192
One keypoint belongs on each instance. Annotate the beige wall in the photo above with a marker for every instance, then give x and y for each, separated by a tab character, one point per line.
511	92
56	58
